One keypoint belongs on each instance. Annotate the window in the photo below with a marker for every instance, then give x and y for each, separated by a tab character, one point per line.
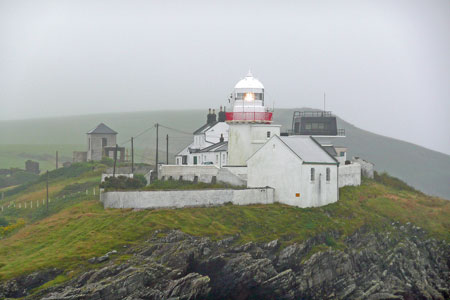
268	134
328	174
342	154
184	159
195	160
313	171
178	161
104	142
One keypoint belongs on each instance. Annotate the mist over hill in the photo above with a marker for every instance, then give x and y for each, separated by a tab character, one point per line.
420	167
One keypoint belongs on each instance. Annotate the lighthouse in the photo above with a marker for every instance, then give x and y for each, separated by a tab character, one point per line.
250	121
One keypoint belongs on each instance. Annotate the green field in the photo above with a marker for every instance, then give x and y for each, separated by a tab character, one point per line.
14	156
77	227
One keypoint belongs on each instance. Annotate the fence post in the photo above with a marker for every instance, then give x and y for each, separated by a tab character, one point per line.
87	192
31	204
93	191
25	204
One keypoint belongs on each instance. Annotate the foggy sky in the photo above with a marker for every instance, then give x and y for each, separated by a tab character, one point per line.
384	65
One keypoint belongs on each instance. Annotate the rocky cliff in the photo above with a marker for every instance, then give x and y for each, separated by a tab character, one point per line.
398	262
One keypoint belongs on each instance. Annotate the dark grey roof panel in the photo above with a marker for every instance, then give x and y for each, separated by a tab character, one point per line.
102	129
204	128
330	150
221	146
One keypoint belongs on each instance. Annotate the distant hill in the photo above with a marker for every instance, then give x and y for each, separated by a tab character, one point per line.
420	167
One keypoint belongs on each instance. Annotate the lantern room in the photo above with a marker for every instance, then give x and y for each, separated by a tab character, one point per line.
247	102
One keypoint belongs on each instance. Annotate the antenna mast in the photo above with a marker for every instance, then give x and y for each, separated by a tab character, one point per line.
324	100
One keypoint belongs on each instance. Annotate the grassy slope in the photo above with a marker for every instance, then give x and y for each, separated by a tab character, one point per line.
425	169
81	229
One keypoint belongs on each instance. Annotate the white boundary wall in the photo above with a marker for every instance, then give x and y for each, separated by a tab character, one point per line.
203	173
185	198
349	175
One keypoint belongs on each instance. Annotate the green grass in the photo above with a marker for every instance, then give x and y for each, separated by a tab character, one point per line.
75	231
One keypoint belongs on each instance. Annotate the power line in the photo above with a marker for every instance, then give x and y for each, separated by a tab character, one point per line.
177	130
138	135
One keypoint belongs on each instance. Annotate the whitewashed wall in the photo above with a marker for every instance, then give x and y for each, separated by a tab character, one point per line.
178	199
204	173
350	175
245	139
320	191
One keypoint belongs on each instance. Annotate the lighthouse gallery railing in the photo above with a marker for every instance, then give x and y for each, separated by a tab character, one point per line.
265	117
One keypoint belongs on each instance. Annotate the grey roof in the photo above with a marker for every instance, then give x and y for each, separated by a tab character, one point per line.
308	149
221	146
330	150
205	128
102	129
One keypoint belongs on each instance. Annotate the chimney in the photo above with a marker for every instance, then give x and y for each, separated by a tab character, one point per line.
221	138
222	117
208	117
213	116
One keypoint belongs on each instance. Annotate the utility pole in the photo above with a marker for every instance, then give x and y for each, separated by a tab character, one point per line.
47	190
57	159
132	156
156	160
167	149
115	160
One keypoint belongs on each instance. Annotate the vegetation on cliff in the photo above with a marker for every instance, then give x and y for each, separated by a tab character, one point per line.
77	228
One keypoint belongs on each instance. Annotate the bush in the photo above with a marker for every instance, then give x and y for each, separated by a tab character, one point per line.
141	178
123	183
107	161
3	222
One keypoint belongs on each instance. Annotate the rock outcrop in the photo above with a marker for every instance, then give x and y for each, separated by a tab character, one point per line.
401	262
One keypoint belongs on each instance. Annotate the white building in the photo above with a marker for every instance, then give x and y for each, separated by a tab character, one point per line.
210	143
302	173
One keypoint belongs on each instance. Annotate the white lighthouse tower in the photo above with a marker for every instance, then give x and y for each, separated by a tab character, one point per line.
250	121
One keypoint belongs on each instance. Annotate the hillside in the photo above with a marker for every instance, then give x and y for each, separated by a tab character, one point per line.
38	139
76	228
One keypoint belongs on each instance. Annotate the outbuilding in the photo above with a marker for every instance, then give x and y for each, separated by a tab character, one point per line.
300	170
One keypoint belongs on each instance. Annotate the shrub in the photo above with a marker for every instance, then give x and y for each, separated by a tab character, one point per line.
141	178
123	183
3	222
107	161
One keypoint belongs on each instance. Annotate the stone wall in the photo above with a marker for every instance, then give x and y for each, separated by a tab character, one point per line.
349	175
186	198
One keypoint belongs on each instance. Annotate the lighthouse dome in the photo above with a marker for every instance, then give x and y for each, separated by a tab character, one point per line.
249	82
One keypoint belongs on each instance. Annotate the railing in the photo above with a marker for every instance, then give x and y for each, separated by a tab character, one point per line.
312	114
341	132
262	117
